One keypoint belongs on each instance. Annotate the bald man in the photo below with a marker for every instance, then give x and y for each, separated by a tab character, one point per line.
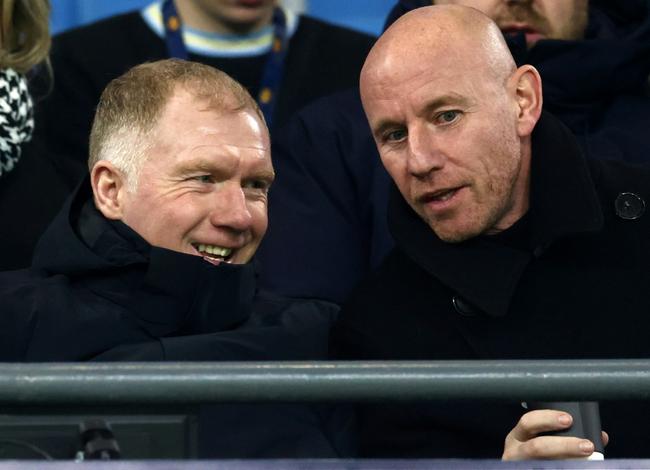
509	243
329	173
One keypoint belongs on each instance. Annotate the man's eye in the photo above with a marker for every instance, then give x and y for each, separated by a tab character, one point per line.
204	178
447	117
395	136
257	185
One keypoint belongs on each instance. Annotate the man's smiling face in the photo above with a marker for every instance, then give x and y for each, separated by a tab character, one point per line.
203	187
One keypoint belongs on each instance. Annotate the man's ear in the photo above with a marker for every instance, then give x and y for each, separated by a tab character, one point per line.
109	188
527	87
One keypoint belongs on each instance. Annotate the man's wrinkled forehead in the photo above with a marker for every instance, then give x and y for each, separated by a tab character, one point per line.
249	116
238	131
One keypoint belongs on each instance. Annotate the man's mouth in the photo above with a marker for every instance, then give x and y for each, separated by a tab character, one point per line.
251	3
441	195
518	28
441	199
213	254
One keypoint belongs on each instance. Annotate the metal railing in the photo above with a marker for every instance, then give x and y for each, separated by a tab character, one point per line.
193	382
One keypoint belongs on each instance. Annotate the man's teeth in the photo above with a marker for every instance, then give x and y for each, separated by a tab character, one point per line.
214	250
445	196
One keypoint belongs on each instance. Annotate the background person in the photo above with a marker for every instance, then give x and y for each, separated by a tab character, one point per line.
508	240
31	187
24	42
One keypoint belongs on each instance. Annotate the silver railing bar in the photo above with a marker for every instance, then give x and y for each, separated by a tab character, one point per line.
212	382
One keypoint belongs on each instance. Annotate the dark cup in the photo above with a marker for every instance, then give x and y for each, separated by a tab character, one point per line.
586	419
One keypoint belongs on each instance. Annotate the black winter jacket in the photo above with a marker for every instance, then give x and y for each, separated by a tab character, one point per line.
95	284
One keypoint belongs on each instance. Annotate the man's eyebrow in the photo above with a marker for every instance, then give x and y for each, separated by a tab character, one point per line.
267	175
207	166
449	99
197	164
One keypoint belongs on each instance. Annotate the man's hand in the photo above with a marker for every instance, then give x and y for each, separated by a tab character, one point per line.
523	442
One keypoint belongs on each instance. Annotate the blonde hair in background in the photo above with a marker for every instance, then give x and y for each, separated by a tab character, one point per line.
24	33
130	106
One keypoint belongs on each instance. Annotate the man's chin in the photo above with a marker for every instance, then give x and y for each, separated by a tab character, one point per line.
453	238
453	234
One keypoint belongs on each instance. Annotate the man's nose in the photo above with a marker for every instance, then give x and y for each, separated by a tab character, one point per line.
425	155
231	209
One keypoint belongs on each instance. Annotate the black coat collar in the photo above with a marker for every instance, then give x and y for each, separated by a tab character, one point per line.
485	273
167	293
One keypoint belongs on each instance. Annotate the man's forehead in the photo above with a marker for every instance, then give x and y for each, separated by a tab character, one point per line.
213	123
424	79
217	148
432	39
224	158
222	101
416	63
445	73
243	129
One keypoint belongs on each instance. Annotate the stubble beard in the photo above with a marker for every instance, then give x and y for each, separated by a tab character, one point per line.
485	222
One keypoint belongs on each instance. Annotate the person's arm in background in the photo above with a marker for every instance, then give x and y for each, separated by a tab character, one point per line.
327	222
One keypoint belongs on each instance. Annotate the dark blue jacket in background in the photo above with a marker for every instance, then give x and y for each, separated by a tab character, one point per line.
328	205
